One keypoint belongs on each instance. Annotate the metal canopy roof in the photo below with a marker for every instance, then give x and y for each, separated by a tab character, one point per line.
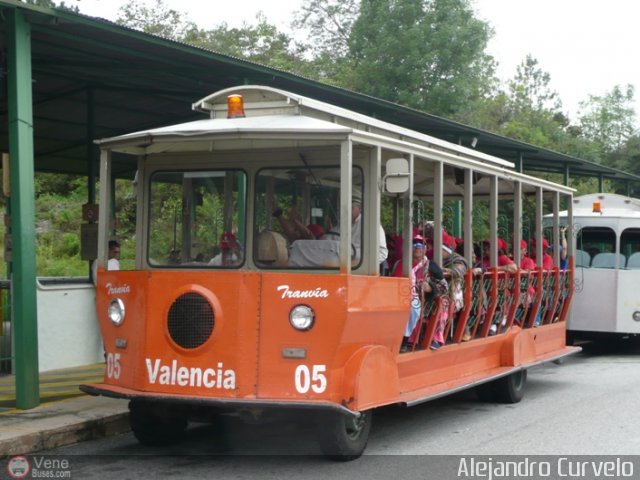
93	79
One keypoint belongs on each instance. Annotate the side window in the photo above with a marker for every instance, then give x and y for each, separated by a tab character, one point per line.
630	247
599	245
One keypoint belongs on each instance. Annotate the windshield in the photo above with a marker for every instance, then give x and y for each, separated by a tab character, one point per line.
197	219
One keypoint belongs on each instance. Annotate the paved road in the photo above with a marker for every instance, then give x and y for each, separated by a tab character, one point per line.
587	405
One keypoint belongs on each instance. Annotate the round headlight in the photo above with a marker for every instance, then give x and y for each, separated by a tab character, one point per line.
302	317
116	311
636	316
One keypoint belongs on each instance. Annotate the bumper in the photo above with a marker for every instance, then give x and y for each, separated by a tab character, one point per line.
112	391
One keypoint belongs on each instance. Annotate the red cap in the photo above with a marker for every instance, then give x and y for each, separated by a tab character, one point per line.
545	243
448	240
418	239
502	244
227	241
316	229
523	244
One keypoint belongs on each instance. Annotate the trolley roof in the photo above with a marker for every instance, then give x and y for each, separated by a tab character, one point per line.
610	205
276	118
276	111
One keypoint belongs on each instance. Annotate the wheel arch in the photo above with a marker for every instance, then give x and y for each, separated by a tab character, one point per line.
370	379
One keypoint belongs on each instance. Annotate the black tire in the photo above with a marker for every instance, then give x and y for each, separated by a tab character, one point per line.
343	437
510	389
486	393
155	425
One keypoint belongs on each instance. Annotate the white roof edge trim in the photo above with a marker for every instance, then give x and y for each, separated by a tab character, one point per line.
462	162
276	125
330	109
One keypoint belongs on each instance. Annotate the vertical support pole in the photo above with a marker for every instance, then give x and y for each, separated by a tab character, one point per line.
556	228
493	221
570	233
91	149
23	279
103	213
519	162
242	208
517	222
438	189
346	164
468	216
407	237
600	183
566	179
91	157
372	206
538	233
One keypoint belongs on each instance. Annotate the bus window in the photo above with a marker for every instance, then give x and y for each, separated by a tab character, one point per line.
197	219
596	240
296	217
630	245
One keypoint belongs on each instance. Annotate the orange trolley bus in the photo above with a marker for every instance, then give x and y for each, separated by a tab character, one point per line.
233	308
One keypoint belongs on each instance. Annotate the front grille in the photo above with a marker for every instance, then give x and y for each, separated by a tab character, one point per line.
191	320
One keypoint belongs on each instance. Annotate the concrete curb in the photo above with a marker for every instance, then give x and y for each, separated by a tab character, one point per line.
64	423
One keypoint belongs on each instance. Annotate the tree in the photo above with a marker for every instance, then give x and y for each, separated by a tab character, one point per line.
530	88
608	120
158	19
52	4
428	55
261	43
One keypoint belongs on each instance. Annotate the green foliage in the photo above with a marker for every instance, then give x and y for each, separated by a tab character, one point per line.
157	20
427	55
609	120
52	4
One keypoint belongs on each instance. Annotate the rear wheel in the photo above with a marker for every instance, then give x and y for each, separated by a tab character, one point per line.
509	389
156	425
343	437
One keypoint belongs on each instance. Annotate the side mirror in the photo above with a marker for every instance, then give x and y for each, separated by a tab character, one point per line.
396	179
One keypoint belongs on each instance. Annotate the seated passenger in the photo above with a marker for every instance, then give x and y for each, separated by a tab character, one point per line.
504	264
427	281
293	227
356	232
230	252
564	252
526	262
547	260
454	267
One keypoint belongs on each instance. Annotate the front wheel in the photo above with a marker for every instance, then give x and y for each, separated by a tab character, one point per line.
343	437
155	425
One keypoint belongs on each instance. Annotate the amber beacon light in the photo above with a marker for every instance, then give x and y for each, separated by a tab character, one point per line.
235	106
597	207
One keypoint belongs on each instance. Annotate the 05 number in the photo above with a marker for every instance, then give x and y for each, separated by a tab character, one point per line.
113	365
314	379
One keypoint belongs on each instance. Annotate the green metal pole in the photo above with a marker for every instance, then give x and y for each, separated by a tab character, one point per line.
23	279
92	161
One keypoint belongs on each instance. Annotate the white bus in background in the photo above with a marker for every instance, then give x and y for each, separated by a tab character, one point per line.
607	260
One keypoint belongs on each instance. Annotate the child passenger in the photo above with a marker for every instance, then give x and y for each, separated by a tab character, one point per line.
426	279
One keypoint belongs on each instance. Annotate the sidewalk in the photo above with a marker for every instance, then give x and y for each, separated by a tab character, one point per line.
65	416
